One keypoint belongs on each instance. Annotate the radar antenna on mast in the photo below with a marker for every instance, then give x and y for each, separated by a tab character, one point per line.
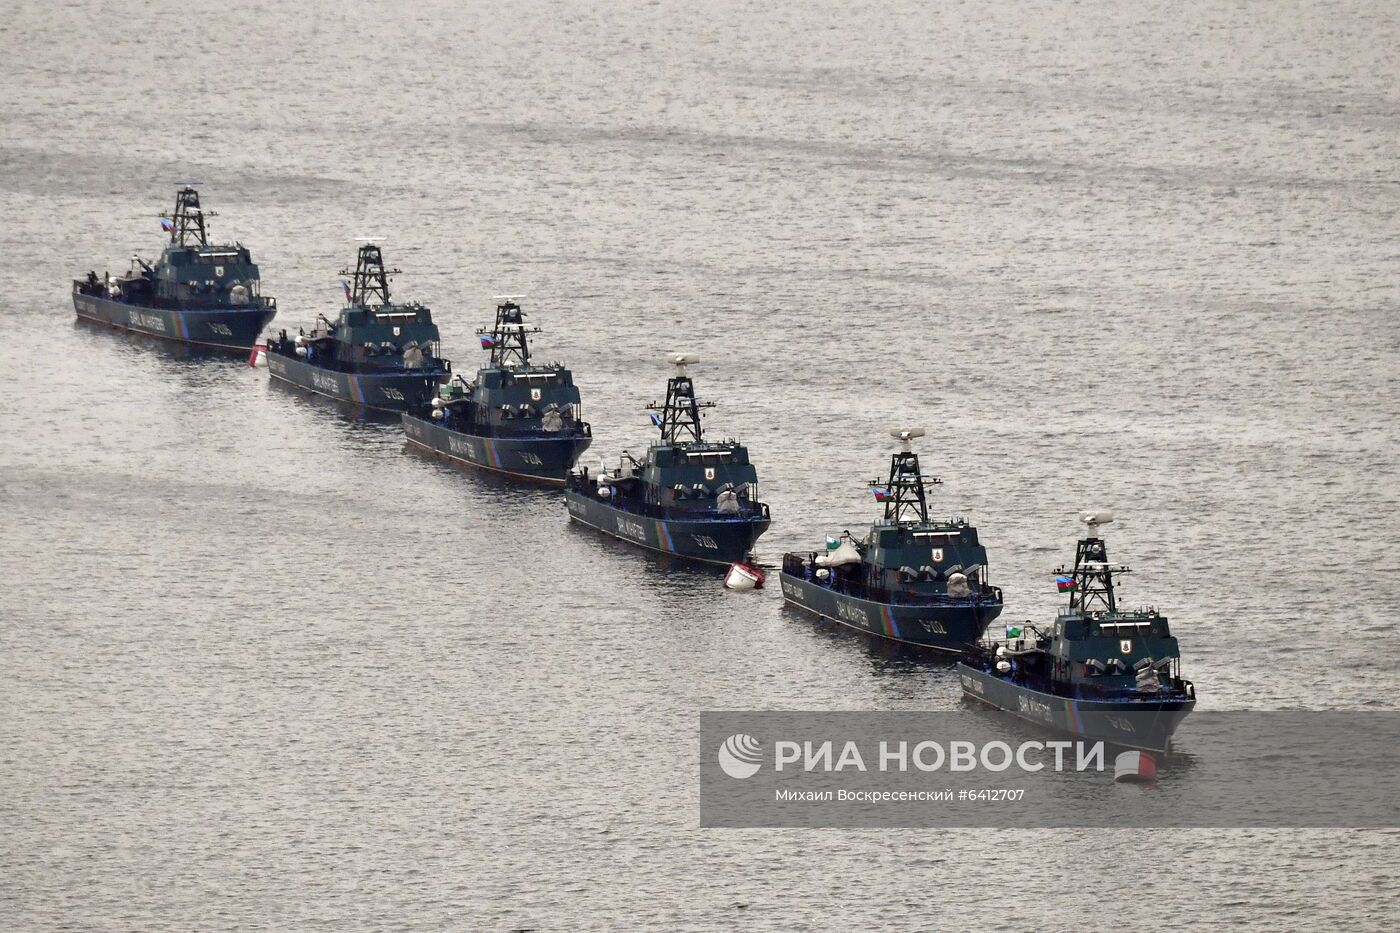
186	225
370	279
904	492
679	417
1090	580
506	338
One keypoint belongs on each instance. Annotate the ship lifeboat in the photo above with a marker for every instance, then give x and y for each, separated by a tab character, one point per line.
743	576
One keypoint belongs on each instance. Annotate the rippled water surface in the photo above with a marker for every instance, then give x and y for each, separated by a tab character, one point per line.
263	668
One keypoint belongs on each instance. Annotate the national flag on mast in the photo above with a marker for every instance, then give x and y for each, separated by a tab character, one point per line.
345	286
487	341
655	419
1064	583
167	225
881	494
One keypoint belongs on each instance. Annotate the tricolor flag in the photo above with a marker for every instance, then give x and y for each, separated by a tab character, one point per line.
880	494
487	341
345	286
655	418
167	225
1013	631
1064	583
832	543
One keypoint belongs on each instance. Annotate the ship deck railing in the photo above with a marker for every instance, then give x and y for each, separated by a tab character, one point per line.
798	566
1173	688
254	302
804	568
587	486
581	429
431	366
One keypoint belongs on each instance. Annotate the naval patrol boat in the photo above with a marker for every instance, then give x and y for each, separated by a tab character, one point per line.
1102	672
518	417
690	497
911	579
378	354
197	293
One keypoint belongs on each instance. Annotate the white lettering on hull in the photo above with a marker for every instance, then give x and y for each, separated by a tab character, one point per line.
147	321
325	382
1120	723
851	613
631	529
462	447
1034	708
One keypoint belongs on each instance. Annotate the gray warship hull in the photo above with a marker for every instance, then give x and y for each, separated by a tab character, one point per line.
952	626
543	458
1146	724
389	391
707	540
225	328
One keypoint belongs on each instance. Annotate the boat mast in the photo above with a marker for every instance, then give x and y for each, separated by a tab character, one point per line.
679	420
370	279
904	500
509	345
187	224
1092	576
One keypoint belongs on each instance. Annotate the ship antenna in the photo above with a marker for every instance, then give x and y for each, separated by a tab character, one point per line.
680	415
370	279
506	339
904	492
186	225
1091	578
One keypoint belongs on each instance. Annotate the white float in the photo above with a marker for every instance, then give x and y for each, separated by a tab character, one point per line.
1134	768
743	576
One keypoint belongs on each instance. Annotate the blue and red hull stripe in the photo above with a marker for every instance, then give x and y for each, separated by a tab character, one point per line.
887	619
663	537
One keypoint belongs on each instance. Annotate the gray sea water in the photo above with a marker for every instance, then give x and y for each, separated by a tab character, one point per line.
261	668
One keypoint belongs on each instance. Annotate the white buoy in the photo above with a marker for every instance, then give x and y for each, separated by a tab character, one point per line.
1003	666
1135	767
743	576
